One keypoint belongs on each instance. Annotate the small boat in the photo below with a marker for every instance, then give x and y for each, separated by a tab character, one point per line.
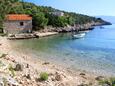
21	36
79	35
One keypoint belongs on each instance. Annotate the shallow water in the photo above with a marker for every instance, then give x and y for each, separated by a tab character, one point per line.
94	53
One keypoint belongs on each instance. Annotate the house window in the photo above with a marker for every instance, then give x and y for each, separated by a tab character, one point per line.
21	23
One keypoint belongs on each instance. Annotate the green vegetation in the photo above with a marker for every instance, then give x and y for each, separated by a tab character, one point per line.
3	34
11	69
1	64
5	8
44	76
5	81
42	16
3	55
39	20
107	82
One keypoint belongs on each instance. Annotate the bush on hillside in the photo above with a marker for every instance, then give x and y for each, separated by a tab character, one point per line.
44	76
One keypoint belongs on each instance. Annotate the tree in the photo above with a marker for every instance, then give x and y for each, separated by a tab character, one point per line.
62	21
39	20
42	14
5	7
71	21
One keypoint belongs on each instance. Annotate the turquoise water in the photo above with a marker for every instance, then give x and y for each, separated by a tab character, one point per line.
94	53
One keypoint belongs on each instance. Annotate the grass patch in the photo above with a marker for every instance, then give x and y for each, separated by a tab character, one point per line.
3	34
109	82
3	55
5	81
11	69
1	64
44	76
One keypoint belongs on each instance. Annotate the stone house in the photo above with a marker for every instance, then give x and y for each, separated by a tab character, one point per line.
17	23
57	13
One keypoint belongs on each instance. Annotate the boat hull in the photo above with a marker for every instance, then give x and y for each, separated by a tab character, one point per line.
77	36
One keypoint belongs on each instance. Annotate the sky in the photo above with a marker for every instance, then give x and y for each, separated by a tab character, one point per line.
88	7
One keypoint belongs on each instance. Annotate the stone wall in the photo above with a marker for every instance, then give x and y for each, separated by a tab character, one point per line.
14	27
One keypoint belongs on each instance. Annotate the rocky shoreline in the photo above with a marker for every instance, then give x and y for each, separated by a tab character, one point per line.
49	30
18	69
77	27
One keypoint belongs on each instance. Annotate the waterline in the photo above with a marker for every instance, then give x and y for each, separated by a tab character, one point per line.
93	53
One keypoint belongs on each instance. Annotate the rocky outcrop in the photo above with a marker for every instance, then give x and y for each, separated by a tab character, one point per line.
49	30
76	27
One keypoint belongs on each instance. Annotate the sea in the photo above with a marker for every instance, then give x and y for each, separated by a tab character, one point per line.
94	53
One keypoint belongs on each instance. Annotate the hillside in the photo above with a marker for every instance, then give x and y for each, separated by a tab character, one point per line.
108	18
42	16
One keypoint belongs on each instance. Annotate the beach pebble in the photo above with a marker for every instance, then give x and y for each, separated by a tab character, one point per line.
83	84
99	78
45	63
58	77
61	84
83	74
27	76
27	65
105	85
84	77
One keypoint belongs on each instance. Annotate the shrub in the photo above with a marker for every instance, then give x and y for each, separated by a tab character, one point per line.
110	82
44	76
11	69
1	64
3	55
3	34
4	81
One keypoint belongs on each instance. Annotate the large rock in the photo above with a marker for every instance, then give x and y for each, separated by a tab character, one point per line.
27	76
82	74
45	63
99	78
58	77
18	67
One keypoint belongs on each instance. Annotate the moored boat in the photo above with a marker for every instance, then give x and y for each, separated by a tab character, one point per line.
21	36
79	35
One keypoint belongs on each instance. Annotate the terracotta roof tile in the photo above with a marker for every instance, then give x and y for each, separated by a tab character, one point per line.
18	17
